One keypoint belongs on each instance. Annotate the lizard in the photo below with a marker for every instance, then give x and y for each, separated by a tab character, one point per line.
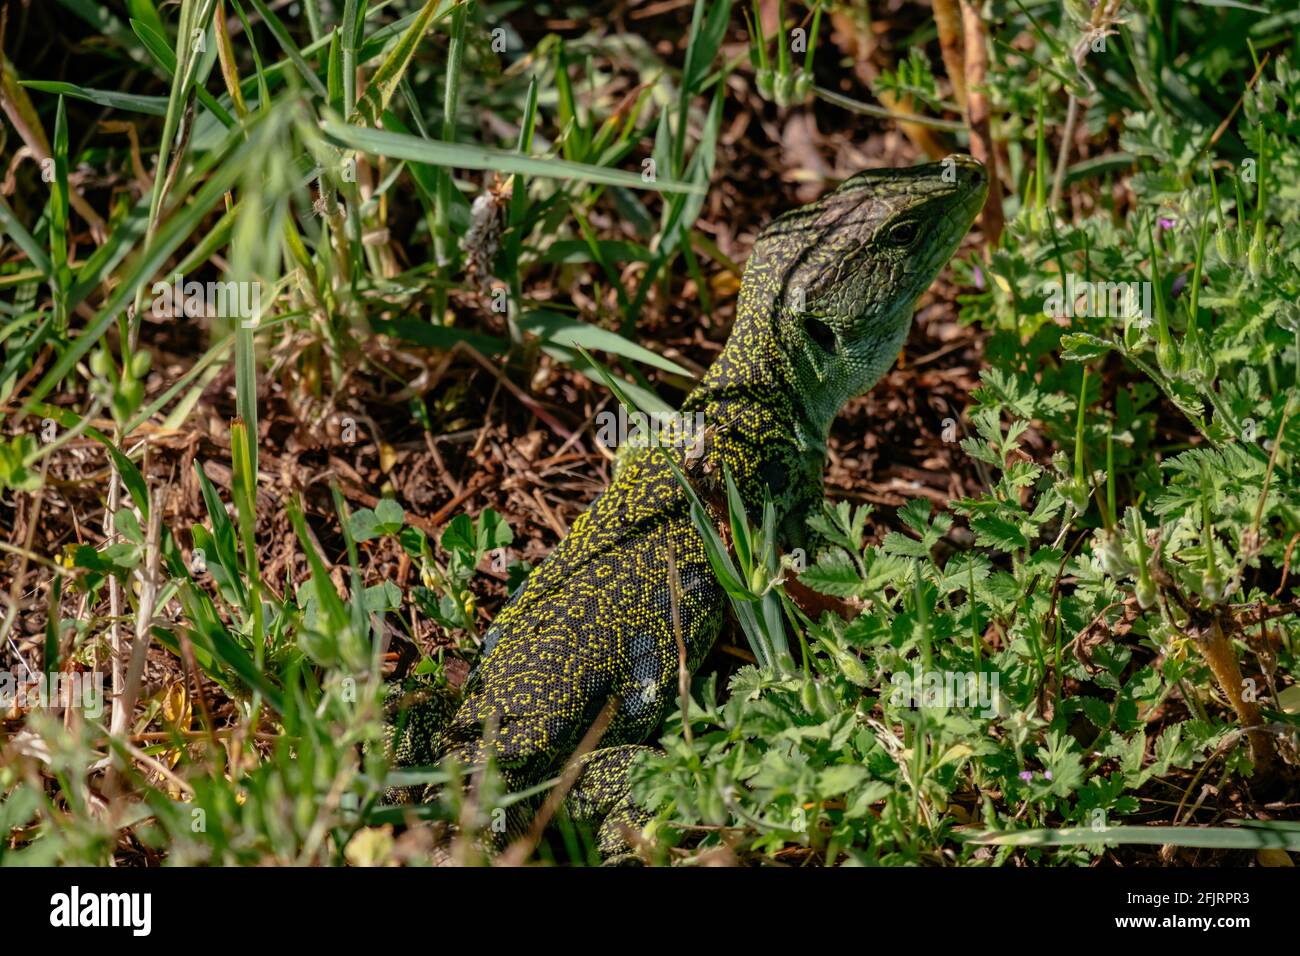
824	307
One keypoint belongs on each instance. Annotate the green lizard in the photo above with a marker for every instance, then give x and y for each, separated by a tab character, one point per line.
824	308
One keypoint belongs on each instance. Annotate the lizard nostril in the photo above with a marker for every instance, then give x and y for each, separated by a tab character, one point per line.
821	333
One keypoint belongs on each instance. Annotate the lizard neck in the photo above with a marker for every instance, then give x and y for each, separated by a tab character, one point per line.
751	371
763	428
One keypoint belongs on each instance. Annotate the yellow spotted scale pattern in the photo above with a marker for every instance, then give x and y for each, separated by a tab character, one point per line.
824	308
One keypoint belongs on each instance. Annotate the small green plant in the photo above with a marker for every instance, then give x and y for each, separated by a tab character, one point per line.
446	597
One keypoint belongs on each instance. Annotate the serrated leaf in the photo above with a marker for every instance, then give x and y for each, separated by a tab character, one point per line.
834	574
991	530
1082	347
840	778
901	544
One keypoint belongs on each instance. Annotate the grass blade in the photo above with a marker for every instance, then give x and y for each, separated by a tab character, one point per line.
469	156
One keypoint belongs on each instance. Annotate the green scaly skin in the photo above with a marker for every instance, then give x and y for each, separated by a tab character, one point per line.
824	309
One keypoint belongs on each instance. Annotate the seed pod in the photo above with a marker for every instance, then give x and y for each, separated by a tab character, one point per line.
1208	367
101	363
763	81
1145	593
1167	358
803	85
1267	97
1223	243
826	698
853	668
1257	259
1078	494
1113	559
784	89
808	695
140	363
127	398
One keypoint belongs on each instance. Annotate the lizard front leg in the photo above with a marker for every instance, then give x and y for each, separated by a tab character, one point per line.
601	796
601	637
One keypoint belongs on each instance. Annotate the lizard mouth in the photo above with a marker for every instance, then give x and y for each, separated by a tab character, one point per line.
972	189
956	209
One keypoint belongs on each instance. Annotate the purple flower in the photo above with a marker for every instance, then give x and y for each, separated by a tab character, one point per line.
1165	223
1026	775
979	278
1047	774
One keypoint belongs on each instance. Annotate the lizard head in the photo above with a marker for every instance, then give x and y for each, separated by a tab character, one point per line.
839	277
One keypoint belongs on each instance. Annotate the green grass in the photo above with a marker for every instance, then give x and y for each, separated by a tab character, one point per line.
1121	584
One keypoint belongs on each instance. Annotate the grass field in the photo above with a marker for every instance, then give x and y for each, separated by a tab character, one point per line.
307	314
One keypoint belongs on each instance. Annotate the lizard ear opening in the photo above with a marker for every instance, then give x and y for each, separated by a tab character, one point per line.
821	333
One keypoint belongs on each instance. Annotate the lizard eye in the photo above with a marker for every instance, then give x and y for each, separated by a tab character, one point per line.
821	333
903	233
